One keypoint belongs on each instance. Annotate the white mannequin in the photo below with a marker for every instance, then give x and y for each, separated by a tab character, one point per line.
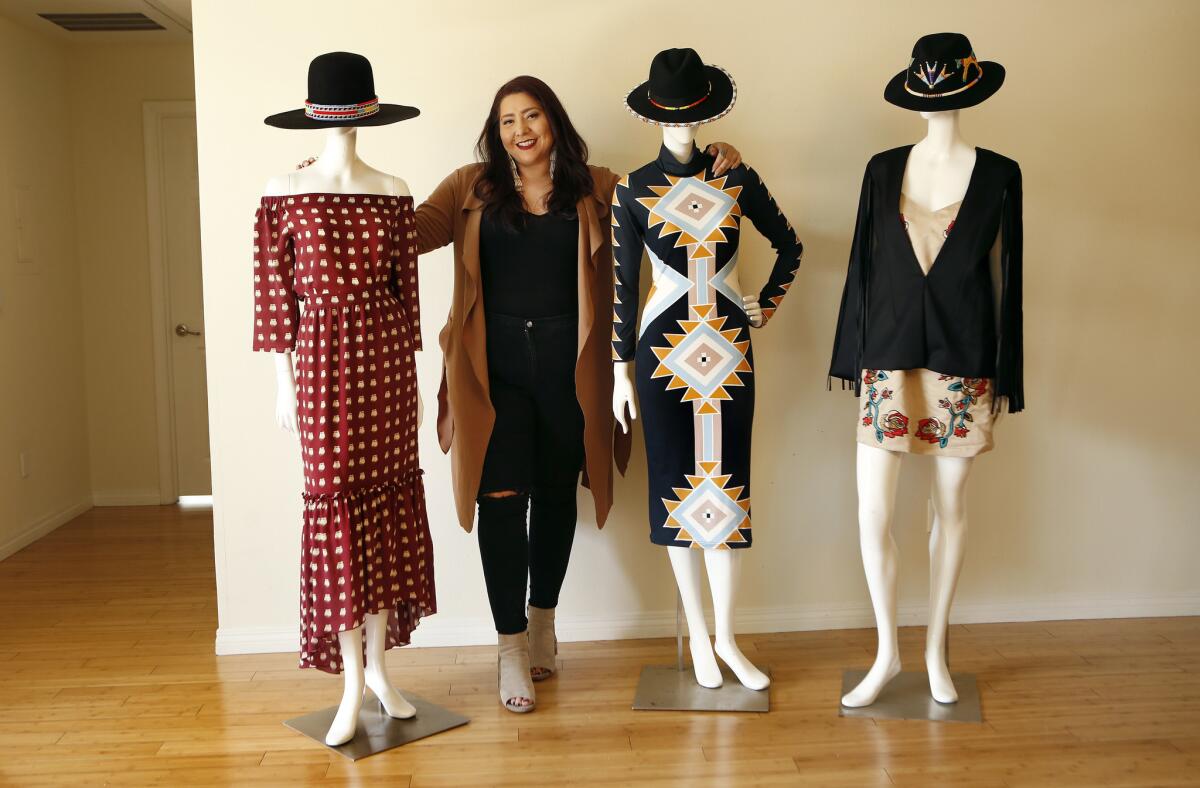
938	172
723	565
338	170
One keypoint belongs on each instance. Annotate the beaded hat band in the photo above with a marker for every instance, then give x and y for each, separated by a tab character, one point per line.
337	112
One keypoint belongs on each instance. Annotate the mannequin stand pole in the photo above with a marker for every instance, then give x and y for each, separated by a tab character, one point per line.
674	687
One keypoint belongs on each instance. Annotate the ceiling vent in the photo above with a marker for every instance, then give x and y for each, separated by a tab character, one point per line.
102	23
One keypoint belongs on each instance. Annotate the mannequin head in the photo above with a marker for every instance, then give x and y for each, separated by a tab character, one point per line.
341	136
340	151
677	137
941	117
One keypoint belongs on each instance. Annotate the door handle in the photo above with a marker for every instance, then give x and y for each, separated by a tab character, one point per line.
182	330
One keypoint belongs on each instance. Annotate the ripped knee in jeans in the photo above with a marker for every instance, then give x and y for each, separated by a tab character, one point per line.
500	494
509	499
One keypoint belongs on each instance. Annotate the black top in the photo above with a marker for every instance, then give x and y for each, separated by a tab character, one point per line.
531	271
894	316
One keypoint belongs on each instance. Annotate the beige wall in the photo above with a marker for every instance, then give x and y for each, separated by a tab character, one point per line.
42	391
1087	508
108	86
75	327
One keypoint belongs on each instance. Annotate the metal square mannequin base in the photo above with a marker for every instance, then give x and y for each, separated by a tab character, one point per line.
907	697
667	688
376	731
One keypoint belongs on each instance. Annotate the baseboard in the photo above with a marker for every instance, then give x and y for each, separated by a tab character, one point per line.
41	527
127	498
442	630
256	640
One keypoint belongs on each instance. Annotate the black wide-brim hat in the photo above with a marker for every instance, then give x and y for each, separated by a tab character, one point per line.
341	92
682	91
944	74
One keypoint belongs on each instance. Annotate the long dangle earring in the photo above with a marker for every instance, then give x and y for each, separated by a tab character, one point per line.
553	159
516	174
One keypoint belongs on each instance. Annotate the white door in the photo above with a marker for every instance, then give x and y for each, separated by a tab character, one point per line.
173	181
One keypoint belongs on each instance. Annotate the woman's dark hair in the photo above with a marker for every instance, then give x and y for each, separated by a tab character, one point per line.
495	187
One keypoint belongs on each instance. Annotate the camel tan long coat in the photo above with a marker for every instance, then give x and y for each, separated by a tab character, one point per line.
452	214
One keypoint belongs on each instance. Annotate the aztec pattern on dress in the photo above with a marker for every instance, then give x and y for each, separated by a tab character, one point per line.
694	364
365	546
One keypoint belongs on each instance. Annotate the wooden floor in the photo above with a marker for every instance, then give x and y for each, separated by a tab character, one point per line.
106	640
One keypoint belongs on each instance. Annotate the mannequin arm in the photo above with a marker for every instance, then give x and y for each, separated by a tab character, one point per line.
753	309
420	408
760	207
285	393
623	393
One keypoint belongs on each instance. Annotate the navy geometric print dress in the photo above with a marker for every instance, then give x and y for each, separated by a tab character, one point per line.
694	365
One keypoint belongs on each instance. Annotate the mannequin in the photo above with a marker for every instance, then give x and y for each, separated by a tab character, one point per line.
723	565
938	172
339	170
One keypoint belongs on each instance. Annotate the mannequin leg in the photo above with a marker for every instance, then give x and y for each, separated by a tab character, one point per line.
346	719
723	571
878	474
686	564
376	674
947	544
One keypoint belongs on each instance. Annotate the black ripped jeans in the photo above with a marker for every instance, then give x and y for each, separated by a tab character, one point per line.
536	451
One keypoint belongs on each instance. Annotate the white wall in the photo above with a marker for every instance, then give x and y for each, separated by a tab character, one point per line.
1087	508
42	390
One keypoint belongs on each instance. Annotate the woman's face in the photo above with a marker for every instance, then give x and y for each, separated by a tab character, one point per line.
524	129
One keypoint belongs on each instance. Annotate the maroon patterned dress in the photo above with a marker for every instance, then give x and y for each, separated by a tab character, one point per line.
351	260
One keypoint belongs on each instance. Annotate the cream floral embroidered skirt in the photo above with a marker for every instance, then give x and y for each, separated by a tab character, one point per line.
924	412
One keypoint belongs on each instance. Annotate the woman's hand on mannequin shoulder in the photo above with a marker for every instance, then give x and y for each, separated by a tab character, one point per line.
285	394
727	157
753	310
623	394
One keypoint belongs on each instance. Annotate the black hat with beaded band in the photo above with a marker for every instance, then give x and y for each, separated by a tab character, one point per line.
944	74
682	91
341	92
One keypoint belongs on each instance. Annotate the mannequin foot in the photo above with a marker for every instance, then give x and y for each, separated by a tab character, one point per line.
750	676
394	704
704	664
941	686
345	722
883	671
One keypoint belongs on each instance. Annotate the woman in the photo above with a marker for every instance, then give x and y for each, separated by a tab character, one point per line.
527	386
